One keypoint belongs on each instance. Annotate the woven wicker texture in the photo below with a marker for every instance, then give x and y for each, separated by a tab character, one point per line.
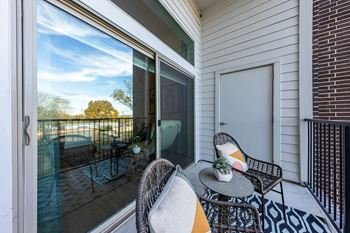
224	217
263	175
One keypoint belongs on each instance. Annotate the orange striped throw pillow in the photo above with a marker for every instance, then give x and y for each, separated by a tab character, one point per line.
178	209
233	155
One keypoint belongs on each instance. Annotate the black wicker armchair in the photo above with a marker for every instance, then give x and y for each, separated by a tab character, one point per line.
222	216
264	176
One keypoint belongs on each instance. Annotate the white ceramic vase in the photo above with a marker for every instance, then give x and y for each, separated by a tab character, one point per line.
136	150
222	177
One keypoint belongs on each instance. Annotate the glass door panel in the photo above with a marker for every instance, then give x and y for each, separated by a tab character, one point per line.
177	116
96	100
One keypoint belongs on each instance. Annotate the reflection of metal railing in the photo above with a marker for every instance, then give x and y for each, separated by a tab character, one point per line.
100	131
329	169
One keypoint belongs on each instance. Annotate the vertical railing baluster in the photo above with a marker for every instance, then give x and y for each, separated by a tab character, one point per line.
119	128
308	153
321	163
329	168
341	150
314	140
334	173
318	160
347	179
324	166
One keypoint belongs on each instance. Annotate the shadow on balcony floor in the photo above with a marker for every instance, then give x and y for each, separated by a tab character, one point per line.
304	214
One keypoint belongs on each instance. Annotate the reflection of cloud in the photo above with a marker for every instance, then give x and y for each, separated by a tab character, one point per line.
95	65
56	22
80	76
113	59
103	57
89	68
69	94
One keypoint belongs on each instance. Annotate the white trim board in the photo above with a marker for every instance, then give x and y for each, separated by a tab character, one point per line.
8	123
305	80
29	103
275	63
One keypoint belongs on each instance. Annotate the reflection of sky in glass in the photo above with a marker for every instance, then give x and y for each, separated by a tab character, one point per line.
78	62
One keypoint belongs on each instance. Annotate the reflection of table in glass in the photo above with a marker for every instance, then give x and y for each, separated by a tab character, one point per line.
115	151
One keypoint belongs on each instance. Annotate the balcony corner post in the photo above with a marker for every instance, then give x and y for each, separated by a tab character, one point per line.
347	179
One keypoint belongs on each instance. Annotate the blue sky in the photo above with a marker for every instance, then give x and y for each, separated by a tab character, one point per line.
78	62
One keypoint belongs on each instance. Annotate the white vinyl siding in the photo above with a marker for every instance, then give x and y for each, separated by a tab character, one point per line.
240	32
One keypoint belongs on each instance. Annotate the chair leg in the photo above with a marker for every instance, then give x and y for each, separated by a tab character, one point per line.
263	211
284	208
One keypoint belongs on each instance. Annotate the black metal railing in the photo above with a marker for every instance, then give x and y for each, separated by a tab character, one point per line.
99	131
329	169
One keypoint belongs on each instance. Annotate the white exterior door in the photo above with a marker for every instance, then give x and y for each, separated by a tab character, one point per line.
246	110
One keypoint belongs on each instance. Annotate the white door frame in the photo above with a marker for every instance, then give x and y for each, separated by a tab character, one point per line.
27	172
276	132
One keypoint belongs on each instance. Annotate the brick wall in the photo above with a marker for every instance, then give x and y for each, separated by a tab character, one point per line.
331	95
331	59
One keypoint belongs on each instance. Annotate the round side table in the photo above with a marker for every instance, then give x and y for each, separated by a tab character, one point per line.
238	187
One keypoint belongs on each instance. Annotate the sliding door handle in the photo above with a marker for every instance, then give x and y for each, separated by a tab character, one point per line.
26	126
222	123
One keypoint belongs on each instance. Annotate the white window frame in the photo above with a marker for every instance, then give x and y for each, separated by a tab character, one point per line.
27	159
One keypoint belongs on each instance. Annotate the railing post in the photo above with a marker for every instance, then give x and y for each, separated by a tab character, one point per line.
347	179
118	127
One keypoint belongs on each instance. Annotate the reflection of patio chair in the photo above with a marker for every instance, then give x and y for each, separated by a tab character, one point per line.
50	207
75	151
169	130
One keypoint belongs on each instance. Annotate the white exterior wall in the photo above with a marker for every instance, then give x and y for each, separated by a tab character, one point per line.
240	32
7	118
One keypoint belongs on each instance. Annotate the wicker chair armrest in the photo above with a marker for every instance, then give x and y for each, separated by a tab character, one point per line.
234	217
264	167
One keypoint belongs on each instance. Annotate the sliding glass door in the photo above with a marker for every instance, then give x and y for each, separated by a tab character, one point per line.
93	102
96	101
176	116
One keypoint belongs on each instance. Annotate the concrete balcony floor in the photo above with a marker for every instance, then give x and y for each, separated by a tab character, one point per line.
296	196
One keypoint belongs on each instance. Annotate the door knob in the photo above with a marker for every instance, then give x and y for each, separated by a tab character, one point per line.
222	123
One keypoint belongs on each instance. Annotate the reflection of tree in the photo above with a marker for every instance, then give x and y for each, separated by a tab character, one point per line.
100	109
52	107
124	97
